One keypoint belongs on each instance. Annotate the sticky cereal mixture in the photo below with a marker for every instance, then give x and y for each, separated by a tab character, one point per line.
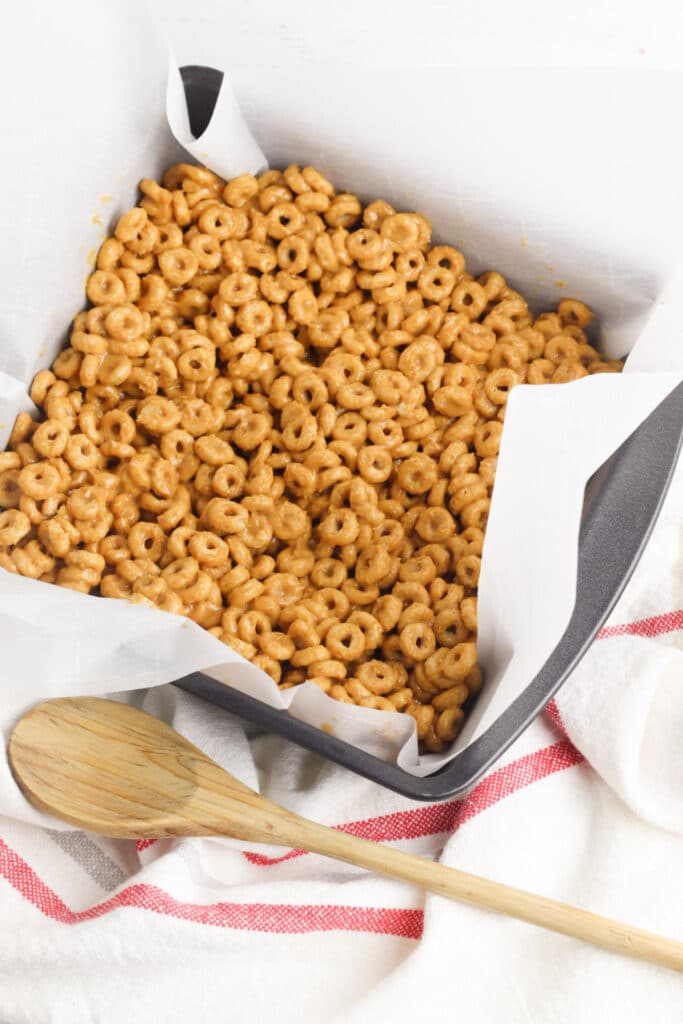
280	416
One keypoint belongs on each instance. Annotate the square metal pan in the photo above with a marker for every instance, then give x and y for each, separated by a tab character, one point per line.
621	506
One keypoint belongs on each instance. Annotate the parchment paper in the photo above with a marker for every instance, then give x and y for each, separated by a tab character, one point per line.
547	221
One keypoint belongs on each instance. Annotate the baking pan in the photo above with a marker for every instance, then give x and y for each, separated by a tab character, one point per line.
621	505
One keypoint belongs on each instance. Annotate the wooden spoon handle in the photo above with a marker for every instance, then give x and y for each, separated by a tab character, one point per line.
481	892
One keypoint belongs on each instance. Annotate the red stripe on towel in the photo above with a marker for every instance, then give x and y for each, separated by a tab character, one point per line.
654	626
433	819
260	917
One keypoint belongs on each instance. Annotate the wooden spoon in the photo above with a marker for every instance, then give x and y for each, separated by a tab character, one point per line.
113	769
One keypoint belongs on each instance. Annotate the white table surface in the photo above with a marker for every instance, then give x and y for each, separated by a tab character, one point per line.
399	33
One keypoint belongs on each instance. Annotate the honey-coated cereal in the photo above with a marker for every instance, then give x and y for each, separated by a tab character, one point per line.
280	416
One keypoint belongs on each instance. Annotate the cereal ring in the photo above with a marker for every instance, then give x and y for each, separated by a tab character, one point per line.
369	626
417	641
418	569
339	527
181	573
377	676
574	313
459	661
225	517
50	438
401	229
300	428
298	560
449	723
178	266
196	364
373	564
105	287
417	474
498	384
39	480
276	645
14	526
124	323
289	522
284	219
467	570
344	211
198	417
218	222
561	348
303	306
32	561
469	298
375	463
423	715
566	372
228	481
436	282
345	641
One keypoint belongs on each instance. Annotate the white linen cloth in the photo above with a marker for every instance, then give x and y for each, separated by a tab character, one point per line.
198	930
